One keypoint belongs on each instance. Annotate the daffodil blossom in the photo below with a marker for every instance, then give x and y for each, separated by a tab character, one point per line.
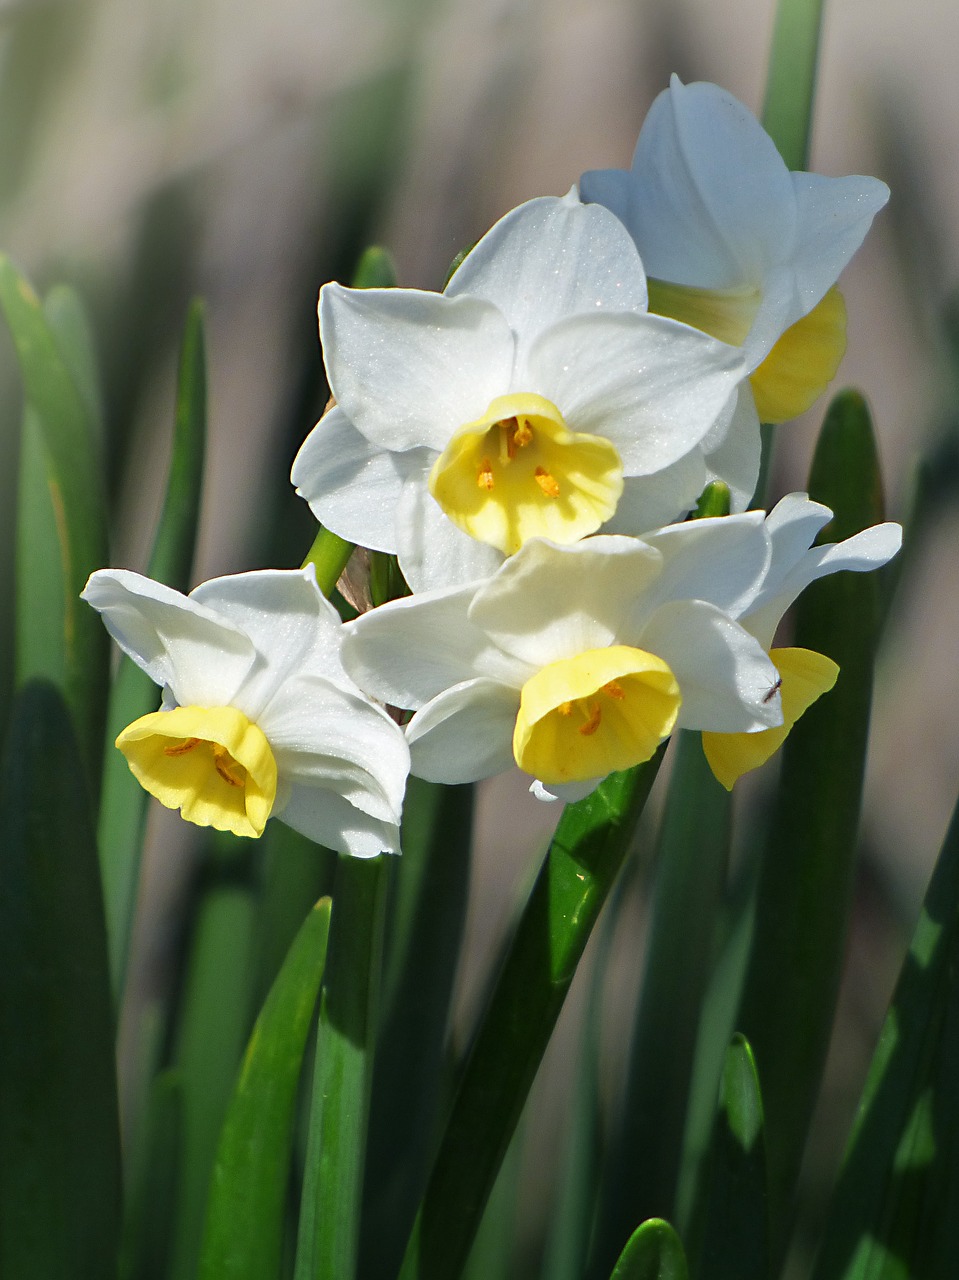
258	716
576	661
534	397
736	244
804	675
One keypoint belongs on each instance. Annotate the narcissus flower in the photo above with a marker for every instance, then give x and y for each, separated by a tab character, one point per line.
576	661
803	674
258	716
535	397
736	244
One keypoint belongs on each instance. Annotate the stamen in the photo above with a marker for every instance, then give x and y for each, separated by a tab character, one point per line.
548	484
592	724
182	747
523	433
507	446
484	478
614	690
565	708
220	758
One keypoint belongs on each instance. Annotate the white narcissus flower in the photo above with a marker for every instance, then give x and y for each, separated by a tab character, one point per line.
576	661
258	716
535	397
738	246
804	675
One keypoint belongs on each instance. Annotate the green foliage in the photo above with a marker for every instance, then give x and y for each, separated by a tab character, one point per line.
654	1252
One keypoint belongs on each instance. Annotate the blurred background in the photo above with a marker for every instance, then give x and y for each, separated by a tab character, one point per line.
153	150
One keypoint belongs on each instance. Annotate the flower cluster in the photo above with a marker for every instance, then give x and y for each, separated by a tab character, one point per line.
528	443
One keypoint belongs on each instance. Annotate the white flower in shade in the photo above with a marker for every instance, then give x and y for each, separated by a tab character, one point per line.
535	397
258	716
738	246
804	674
576	661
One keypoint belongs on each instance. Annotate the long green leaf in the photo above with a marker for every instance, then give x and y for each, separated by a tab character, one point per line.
59	1133
807	876
213	1029
151	1202
426	916
736	1239
583	862
247	1208
73	467
791	79
328	1238
693	855
653	1252
893	1214
124	802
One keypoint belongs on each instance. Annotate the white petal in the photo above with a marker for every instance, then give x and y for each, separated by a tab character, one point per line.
202	657
721	560
711	202
351	484
410	650
725	676
465	733
552	258
410	368
330	820
650	501
323	734
550	602
568	792
861	553
432	551
651	386
295	630
733	451
834	216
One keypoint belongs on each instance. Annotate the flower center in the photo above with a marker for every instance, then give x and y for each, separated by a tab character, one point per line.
587	716
804	675
519	472
211	763
803	361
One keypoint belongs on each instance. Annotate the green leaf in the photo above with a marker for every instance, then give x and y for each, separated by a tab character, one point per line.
71	464
59	1134
411	1079
894	1211
329	1227
148	1222
213	1028
584	859
807	876
375	269
791	79
654	1252
247	1208
647	1139
736	1240
123	804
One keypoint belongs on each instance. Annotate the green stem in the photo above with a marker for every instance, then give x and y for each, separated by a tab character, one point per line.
329	555
582	864
333	1181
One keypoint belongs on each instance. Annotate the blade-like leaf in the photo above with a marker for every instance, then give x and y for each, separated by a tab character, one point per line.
70	449
425	920
646	1142
583	862
791	79
735	1243
328	1237
124	802
247	1207
807	875
654	1252
893	1214
149	1216
59	1133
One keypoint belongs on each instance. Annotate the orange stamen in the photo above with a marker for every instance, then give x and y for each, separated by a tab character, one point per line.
548	484
592	724
181	748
